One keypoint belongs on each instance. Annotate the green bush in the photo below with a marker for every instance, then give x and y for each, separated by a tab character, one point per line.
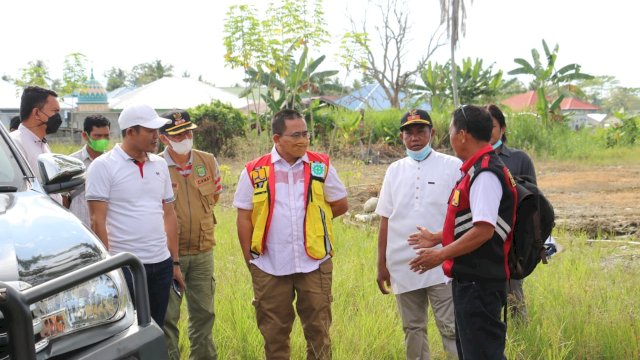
219	125
624	134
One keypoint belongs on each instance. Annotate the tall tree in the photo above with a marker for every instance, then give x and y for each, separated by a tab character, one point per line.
548	79
598	88
116	78
74	73
623	99
265	47
36	73
385	68
145	73
454	14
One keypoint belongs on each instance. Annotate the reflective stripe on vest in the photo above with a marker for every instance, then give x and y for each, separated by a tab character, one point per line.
318	233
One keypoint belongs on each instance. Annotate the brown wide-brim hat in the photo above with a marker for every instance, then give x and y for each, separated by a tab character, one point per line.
180	122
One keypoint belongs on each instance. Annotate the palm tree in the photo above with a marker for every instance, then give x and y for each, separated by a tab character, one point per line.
454	13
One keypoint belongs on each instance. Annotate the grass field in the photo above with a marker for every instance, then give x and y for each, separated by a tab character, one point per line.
583	305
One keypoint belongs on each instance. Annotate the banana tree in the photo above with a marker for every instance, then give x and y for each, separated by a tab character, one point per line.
285	88
475	83
547	79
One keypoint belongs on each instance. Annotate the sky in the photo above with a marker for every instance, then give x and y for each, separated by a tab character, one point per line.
188	34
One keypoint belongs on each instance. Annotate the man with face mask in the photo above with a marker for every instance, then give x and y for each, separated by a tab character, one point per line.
96	134
413	196
197	185
40	116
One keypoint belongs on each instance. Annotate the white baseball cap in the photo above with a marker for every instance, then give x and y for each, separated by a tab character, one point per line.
141	114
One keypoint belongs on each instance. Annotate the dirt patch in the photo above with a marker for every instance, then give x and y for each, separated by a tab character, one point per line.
598	200
594	199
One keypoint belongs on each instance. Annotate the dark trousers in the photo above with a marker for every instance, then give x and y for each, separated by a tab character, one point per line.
159	277
480	332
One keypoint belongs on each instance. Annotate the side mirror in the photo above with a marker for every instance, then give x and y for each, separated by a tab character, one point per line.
60	173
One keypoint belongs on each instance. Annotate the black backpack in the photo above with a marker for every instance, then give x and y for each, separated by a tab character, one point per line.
535	219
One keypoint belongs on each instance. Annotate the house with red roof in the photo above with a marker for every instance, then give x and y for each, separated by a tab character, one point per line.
581	113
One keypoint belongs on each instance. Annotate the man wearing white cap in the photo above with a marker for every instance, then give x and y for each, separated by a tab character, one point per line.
130	198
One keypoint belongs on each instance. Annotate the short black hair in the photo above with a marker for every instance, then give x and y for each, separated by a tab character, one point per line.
96	120
14	123
277	123
475	120
33	97
497	114
135	128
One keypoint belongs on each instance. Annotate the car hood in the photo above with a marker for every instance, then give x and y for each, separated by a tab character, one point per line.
41	240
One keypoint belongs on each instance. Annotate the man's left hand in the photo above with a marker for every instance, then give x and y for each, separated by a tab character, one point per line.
177	276
427	259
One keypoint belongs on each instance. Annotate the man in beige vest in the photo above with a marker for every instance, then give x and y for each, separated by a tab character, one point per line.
196	184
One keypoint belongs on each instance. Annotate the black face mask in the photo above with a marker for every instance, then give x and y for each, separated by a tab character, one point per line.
53	123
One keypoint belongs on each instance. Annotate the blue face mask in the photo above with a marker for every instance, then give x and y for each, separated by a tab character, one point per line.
497	144
420	154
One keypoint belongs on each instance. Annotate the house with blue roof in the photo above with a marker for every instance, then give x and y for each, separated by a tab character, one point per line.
373	97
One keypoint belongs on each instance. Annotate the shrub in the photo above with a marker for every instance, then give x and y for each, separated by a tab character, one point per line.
218	126
626	133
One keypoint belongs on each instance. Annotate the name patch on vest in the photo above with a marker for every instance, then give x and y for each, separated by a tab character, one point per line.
203	180
455	198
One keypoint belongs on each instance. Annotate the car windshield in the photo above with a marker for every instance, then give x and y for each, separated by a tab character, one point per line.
11	176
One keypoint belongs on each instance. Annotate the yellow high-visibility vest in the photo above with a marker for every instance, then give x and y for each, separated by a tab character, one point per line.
318	232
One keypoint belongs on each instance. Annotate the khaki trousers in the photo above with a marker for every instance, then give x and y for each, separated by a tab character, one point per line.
413	310
197	271
273	301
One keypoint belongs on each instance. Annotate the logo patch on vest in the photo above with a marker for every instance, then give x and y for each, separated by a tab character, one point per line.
455	198
317	169
201	170
259	177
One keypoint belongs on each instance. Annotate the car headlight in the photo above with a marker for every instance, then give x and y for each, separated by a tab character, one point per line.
100	300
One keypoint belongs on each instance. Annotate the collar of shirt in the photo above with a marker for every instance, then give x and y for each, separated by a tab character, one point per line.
472	160
85	154
169	160
275	157
504	150
118	150
29	135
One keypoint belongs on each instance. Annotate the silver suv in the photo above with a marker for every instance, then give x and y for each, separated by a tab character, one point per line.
61	295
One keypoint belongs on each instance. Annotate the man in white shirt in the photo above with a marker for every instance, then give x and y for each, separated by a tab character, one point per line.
130	200
96	134
414	195
286	200
40	115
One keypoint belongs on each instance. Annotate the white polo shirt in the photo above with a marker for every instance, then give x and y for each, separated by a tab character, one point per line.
135	196
31	146
415	193
285	253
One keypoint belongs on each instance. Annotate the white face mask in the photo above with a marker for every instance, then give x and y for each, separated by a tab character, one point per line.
183	147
